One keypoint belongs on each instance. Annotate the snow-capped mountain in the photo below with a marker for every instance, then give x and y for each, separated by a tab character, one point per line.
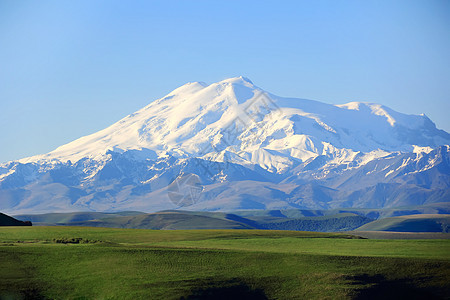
231	145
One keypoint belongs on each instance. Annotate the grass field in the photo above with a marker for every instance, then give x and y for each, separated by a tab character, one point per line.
106	263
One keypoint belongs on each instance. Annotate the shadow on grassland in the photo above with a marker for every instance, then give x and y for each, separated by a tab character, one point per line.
25	294
232	289
381	288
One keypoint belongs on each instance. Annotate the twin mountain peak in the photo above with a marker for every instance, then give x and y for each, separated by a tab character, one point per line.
247	149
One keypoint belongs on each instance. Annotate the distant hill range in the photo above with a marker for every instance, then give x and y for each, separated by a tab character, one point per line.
169	220
6	220
411	223
402	220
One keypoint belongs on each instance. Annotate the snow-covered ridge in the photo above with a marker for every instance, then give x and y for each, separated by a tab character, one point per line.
194	119
247	148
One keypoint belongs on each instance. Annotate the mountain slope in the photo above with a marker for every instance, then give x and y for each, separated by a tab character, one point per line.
6	220
60	218
231	145
411	223
166	221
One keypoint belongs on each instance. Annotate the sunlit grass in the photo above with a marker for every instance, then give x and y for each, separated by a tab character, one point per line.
145	264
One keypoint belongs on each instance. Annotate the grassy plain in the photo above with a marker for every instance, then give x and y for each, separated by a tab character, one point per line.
107	263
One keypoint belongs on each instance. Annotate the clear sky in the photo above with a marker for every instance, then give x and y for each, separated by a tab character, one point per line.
71	68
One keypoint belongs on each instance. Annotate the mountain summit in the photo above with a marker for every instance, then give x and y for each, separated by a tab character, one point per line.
241	148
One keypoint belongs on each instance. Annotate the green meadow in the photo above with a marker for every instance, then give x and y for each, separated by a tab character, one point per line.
106	263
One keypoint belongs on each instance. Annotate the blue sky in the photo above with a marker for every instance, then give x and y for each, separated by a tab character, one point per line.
71	68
